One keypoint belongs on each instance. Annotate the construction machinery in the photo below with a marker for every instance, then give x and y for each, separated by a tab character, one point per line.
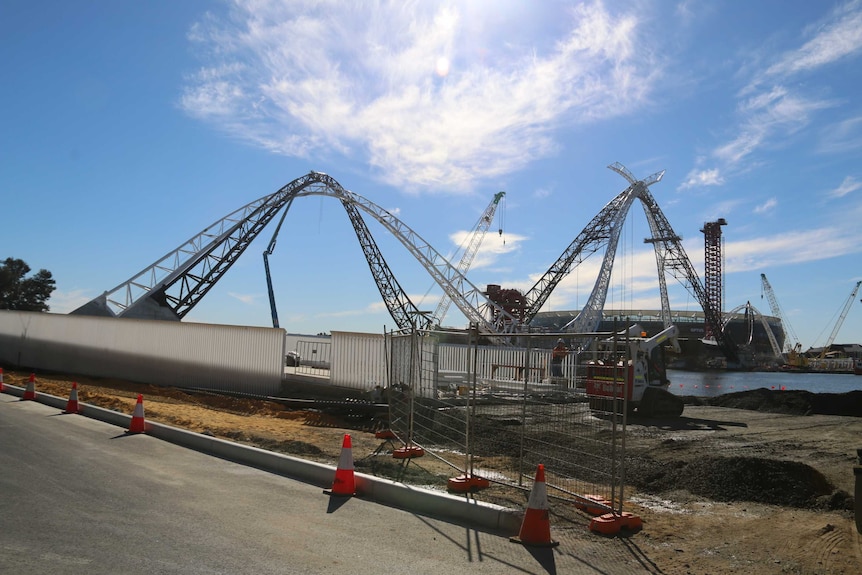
793	357
840	321
632	376
791	342
473	243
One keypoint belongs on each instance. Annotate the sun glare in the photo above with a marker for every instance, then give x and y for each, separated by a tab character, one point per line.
442	67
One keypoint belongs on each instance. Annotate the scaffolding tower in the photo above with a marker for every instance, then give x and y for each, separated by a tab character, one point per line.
713	272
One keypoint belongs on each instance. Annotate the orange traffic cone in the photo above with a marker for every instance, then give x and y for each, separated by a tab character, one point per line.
137	425
30	391
536	527
344	483
72	404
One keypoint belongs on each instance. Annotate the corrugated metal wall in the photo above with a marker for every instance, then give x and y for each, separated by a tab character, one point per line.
187	355
358	360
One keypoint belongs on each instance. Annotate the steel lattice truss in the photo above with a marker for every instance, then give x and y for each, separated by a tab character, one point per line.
789	342
173	285
752	314
401	308
470	252
603	231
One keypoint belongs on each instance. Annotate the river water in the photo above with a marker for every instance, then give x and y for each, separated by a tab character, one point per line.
712	383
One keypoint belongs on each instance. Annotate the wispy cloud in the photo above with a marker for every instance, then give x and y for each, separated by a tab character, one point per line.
834	40
765	117
848	186
766	206
248	299
791	248
416	89
844	136
769	110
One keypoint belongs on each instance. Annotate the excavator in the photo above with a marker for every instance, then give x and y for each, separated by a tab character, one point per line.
638	380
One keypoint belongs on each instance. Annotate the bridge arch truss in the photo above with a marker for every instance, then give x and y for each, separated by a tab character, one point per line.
174	284
169	288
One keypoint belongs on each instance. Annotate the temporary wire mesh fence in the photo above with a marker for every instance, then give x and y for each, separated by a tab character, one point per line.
497	411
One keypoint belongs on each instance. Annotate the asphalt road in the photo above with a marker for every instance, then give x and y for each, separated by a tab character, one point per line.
79	495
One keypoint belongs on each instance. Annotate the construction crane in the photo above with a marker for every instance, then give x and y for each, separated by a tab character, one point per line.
469	254
841	319
776	311
266	253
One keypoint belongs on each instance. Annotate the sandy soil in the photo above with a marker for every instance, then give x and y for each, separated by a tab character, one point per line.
721	490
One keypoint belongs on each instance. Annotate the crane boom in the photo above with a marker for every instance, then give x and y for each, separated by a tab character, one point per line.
776	311
266	253
469	254
841	318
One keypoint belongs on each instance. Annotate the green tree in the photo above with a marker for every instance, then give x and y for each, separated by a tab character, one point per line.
24	294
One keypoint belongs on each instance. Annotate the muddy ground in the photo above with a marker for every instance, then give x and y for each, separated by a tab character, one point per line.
758	482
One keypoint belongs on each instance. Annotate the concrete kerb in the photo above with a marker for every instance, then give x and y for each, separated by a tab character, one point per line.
460	510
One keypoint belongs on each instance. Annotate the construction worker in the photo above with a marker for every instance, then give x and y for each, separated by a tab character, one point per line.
559	353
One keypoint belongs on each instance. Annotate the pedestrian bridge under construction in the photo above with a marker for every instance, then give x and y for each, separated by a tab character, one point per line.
169	288
745	328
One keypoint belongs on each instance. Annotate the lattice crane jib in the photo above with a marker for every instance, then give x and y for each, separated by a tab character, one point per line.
470	252
790	343
841	318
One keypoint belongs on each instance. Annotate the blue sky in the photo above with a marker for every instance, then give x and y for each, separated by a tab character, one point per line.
127	127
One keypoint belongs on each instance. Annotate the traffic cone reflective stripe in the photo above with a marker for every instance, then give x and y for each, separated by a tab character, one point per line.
137	425
30	391
72	404
344	483
536	526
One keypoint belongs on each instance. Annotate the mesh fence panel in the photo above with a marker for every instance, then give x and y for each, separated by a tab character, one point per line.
497	412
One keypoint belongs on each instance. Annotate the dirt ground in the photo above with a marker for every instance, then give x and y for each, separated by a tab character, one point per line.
758	482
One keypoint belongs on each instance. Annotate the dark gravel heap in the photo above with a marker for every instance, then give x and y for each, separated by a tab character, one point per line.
792	402
787	483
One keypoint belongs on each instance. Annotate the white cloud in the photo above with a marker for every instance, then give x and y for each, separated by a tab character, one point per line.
848	186
303	77
490	250
699	178
833	40
790	248
767	206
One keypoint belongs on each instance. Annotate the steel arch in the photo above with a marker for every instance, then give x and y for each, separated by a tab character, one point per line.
174	284
604	231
